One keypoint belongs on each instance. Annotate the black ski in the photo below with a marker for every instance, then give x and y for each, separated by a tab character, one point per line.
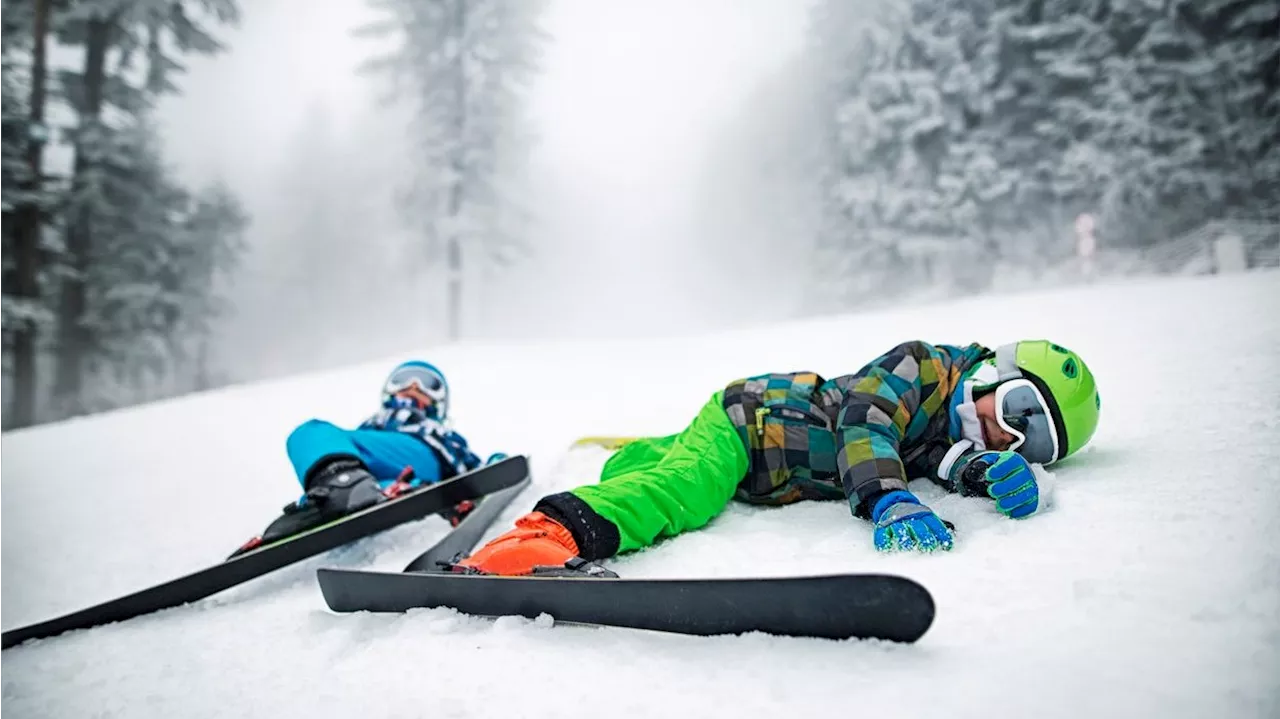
257	562
835	606
467	534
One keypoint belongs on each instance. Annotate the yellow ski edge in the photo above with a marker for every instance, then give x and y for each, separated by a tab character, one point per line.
607	442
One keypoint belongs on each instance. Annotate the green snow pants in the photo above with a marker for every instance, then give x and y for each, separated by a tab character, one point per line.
661	486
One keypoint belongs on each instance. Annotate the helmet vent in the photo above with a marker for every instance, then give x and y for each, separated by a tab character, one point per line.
1070	368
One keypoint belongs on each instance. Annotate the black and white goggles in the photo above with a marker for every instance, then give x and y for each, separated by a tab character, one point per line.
427	380
1023	412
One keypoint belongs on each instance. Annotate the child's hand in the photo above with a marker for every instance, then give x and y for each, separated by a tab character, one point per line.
903	523
1010	481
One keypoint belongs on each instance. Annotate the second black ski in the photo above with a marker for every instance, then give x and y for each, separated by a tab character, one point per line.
832	606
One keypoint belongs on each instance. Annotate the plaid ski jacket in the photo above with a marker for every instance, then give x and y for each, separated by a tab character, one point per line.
853	436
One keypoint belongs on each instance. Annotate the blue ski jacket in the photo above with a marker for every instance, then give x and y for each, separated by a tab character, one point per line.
397	416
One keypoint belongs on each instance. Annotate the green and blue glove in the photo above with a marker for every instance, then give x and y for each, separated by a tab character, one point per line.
903	523
1007	478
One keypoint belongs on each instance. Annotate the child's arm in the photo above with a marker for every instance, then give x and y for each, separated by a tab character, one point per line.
886	402
458	448
892	399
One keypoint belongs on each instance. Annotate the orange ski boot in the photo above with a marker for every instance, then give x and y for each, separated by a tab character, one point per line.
538	546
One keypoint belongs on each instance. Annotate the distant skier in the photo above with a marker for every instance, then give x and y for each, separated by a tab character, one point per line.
969	418
405	444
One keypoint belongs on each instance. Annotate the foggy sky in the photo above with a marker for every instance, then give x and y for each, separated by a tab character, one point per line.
632	94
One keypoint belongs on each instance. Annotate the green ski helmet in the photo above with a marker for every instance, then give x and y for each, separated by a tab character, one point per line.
1061	377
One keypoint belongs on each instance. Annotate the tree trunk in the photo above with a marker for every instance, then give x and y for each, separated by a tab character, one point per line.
73	336
26	246
456	199
455	288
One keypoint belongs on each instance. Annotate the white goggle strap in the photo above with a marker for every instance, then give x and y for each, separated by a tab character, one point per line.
1007	362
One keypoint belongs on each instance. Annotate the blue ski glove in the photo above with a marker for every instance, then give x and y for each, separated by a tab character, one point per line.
495	458
1010	481
903	523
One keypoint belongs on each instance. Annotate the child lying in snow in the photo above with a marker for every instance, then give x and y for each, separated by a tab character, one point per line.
403	445
970	418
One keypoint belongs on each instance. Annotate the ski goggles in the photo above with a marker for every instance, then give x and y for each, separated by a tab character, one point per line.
1023	412
425	379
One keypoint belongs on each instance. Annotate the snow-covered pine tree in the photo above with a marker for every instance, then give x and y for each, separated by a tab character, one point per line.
1034	63
989	125
1231	68
113	91
854	45
1158	116
28	200
952	48
1143	123
151	280
130	299
462	66
915	186
207	251
21	294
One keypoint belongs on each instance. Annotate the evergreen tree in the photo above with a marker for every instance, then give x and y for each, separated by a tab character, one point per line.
28	199
462	66
210	253
151	280
852	43
980	128
128	305
112	85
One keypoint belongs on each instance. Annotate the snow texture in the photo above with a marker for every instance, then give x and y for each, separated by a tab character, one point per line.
1150	587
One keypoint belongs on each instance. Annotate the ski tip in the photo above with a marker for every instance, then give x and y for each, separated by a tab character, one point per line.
336	594
519	461
604	442
907	606
328	589
11	639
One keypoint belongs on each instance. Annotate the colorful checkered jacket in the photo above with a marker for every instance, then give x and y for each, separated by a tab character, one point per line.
854	436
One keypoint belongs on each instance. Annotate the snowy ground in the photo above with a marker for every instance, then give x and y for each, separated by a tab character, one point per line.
1151	588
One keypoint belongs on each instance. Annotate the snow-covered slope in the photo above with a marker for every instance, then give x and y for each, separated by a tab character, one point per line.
1151	588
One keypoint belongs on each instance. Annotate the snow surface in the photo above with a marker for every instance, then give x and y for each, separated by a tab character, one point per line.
1151	588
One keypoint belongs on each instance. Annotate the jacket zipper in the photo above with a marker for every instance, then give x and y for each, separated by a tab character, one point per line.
762	412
